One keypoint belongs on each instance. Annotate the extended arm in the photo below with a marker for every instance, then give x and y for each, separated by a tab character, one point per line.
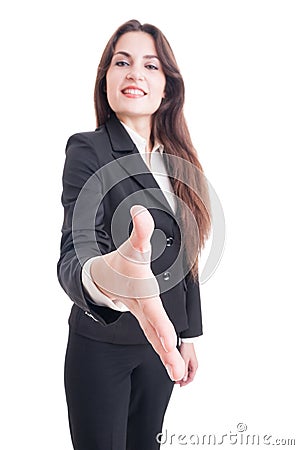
81	164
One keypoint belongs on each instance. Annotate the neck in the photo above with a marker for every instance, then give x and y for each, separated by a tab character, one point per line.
141	125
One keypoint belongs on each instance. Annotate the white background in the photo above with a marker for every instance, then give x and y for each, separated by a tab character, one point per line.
239	60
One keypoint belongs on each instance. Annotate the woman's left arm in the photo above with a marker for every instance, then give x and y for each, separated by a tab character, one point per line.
188	354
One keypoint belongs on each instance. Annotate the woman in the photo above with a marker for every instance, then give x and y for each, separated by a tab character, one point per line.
135	288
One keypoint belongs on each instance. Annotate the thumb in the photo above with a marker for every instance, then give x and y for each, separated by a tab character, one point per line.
143	227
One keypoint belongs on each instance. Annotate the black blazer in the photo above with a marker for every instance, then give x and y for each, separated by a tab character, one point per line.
105	194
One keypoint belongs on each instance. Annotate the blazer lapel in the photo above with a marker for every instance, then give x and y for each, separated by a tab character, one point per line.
122	145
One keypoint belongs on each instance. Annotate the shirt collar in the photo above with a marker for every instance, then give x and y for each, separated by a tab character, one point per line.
140	142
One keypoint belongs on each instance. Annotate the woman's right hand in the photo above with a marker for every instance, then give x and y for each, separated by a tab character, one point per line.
125	274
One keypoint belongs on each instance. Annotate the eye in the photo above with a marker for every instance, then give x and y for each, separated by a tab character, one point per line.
152	67
121	63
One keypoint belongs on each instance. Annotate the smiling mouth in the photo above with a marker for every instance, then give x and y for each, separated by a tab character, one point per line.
133	92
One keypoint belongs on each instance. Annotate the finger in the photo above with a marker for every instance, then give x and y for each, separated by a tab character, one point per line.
185	379
143	227
192	369
172	360
190	376
155	313
136	309
186	371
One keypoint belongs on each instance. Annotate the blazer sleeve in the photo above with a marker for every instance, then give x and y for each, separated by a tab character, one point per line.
193	306
83	235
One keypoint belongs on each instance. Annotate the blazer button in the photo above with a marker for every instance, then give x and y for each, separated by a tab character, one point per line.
166	276
169	241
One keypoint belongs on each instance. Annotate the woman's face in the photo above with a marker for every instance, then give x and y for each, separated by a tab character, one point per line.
135	79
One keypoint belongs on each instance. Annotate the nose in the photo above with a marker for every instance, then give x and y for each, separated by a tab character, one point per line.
135	74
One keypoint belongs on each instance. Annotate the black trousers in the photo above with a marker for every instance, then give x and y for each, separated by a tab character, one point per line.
117	395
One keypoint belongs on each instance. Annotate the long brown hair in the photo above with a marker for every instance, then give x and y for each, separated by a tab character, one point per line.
168	127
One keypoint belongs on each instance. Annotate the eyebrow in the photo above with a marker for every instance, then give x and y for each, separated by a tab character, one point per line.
130	56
